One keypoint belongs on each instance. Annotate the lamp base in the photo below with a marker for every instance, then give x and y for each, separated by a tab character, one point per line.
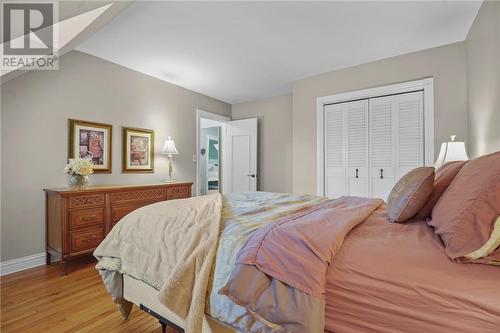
169	180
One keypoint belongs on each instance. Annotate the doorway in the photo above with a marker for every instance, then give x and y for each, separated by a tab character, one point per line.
226	154
209	152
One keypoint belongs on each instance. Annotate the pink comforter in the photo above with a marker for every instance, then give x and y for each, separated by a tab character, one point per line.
396	277
280	274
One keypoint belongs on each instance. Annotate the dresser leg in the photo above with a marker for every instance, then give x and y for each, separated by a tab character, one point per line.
163	327
64	267
47	258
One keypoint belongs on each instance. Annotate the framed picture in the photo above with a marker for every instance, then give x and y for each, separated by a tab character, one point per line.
92	140
138	150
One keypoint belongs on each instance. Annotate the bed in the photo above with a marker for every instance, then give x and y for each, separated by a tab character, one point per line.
364	291
374	275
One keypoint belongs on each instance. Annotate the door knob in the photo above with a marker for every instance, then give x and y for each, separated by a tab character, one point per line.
252	175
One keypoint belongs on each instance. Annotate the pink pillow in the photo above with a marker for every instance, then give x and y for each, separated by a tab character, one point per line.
444	176
410	194
465	216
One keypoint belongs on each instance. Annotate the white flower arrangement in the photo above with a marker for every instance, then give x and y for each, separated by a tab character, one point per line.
79	166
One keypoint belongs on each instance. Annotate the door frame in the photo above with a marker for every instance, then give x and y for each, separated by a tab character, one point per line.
426	85
200	113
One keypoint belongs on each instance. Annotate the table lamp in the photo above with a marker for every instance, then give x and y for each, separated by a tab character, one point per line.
451	151
169	149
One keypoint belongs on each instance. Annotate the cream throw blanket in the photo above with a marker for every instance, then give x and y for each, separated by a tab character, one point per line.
170	245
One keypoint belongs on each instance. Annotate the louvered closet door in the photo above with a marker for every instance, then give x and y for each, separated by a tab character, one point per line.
382	145
357	148
335	171
410	132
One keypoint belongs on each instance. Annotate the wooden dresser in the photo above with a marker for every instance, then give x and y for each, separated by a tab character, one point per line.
77	220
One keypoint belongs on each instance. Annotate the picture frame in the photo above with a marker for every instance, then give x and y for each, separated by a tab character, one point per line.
91	140
138	150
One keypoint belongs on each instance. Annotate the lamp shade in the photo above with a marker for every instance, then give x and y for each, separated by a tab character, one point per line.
451	151
169	147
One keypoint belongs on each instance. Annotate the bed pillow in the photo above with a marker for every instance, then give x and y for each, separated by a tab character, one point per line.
466	215
410	194
444	176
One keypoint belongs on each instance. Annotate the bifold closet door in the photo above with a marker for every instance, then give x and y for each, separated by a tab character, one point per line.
409	132
335	170
382	145
396	139
370	144
357	148
346	149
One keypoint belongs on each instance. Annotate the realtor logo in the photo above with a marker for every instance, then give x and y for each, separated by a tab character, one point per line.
28	35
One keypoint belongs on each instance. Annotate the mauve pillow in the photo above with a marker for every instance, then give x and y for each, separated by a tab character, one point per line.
444	176
410	194
465	215
491	259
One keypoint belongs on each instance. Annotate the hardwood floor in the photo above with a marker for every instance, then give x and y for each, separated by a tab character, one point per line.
41	300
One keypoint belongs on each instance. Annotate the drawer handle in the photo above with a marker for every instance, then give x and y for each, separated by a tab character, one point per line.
87	200
357	171
381	173
88	218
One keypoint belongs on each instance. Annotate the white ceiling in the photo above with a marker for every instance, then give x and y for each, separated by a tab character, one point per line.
242	51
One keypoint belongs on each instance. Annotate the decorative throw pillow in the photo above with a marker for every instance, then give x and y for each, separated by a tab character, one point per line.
466	215
410	194
444	176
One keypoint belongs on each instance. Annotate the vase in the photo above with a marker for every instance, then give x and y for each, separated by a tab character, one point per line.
75	180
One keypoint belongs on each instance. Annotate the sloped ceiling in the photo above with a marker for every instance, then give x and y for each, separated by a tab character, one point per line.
70	9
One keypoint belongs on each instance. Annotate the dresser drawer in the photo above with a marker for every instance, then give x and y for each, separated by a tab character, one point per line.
138	196
86	240
86	218
94	200
178	192
120	211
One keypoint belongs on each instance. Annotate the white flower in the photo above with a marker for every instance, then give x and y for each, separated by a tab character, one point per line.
79	166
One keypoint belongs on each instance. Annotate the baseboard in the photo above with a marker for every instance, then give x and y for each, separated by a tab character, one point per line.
20	264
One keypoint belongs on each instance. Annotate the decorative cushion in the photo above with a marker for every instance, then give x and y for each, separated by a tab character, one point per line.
465	217
410	194
444	176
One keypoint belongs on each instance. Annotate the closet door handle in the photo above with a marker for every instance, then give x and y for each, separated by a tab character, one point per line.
381	173
357	171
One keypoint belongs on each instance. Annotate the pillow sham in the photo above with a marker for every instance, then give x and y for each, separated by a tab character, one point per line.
489	252
410	194
444	176
466	215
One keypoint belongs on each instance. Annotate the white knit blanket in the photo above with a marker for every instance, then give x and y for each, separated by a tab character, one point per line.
170	245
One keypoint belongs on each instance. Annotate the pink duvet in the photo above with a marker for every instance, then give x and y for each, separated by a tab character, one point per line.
391	277
341	266
280	273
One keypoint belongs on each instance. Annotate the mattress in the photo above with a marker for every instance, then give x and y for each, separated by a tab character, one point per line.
391	277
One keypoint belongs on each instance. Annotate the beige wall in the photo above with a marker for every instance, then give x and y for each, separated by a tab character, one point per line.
445	64
34	134
483	80
275	140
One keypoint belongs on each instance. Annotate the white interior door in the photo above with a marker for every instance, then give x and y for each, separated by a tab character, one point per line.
240	173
